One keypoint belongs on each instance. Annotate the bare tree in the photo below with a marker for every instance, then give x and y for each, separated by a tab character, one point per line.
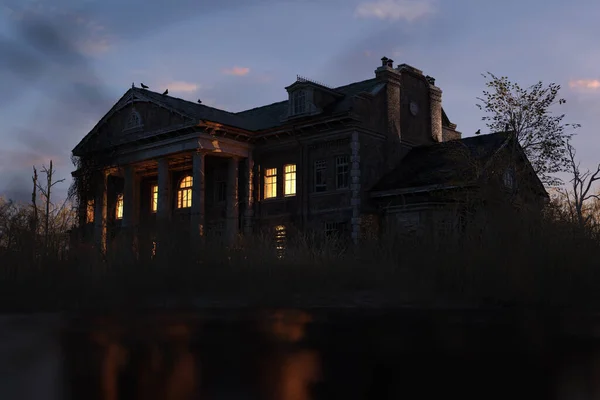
46	192
526	114
581	189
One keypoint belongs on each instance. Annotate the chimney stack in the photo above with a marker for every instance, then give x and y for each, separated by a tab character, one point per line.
390	63
384	61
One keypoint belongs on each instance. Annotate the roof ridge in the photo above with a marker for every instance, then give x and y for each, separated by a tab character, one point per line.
188	101
265	106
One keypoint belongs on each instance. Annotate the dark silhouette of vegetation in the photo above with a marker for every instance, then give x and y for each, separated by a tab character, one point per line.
526	113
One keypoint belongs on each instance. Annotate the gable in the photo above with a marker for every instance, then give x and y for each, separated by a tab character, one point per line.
133	113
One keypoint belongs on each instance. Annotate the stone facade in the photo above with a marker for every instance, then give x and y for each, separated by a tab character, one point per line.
306	163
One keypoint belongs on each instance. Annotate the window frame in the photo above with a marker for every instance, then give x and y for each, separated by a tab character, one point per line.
119	205
154	198
320	187
344	174
270	181
184	193
298	102
292	175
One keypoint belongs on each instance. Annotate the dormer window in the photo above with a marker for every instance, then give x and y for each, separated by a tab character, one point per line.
134	120
299	102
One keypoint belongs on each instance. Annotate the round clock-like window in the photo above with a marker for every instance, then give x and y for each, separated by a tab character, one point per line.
414	108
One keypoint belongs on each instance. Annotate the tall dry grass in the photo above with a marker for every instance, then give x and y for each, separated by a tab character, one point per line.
505	258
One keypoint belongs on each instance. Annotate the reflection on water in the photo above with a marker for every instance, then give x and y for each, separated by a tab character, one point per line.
297	355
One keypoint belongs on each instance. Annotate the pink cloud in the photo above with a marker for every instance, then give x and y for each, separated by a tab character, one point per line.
237	71
408	10
180	87
591	84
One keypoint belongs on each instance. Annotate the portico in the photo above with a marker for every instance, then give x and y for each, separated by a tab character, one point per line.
175	184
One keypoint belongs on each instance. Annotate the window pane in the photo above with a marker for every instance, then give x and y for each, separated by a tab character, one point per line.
320	175
184	194
342	166
290	180
154	199
270	183
119	208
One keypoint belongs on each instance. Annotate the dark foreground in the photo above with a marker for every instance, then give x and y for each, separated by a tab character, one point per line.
298	355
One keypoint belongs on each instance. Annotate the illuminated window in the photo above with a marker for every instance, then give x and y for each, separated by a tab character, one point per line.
290	180
299	101
154	198
89	214
342	171
320	175
153	250
119	207
270	183
280	235
184	192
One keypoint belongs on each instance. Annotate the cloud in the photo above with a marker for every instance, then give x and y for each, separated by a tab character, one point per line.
94	47
181	87
237	71
590	84
394	10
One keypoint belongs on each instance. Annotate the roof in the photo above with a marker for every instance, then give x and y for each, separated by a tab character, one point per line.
270	116
194	110
441	163
258	118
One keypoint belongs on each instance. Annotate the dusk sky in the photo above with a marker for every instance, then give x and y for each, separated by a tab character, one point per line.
64	63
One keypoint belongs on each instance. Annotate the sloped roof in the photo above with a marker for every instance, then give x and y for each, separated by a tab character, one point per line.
195	110
270	116
442	163
258	118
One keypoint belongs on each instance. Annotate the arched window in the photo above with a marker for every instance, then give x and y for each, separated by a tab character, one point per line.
134	120
184	192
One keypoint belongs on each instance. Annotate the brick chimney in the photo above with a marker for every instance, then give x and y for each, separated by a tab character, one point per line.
391	77
435	110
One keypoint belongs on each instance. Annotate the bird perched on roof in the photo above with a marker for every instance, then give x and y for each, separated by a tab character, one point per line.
144	86
199	101
166	92
478	131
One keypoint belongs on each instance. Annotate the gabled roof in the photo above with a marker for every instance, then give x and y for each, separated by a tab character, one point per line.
442	163
252	120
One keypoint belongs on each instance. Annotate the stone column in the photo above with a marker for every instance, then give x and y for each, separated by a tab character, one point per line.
163	212
232	200
249	201
435	109
355	187
131	199
100	211
198	200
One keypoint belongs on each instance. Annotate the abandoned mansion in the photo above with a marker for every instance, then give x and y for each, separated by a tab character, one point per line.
331	159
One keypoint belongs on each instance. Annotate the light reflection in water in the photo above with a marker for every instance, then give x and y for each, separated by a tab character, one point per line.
161	364
291	370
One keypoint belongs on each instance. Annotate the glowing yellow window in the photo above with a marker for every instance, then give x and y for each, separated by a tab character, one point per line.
290	180
89	214
119	208
184	192
270	183
154	198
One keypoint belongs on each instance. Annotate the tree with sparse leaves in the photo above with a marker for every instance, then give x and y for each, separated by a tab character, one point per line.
526	114
580	198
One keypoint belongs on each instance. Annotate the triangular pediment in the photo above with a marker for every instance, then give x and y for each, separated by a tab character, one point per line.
135	111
